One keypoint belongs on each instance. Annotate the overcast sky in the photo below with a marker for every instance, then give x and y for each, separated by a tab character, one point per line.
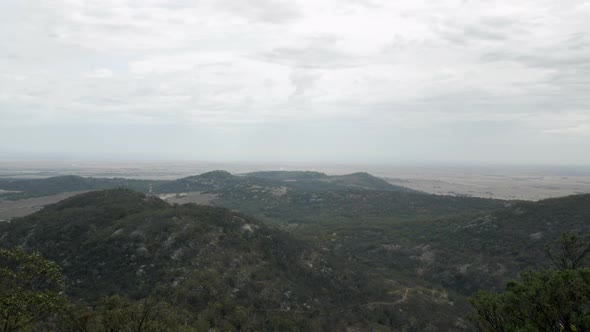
297	80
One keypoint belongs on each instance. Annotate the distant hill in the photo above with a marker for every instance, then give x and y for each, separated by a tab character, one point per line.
27	188
288	175
306	180
277	196
365	181
13	189
297	180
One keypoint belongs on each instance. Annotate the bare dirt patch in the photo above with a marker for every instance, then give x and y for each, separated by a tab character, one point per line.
196	197
525	187
2	191
24	207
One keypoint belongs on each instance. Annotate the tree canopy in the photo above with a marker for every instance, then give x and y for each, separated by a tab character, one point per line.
30	289
542	300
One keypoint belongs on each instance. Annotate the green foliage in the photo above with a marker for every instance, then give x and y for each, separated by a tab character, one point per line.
261	182
212	181
118	314
230	271
572	253
315	181
348	205
30	289
543	300
288	175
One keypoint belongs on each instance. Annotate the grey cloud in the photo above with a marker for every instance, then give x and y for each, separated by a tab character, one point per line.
310	57
267	11
572	50
216	78
567	64
316	52
543	58
501	22
479	32
488	29
579	41
372	4
303	81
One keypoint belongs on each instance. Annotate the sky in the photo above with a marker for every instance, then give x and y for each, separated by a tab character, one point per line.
369	81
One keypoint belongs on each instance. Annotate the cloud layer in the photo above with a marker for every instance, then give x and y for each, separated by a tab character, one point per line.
324	80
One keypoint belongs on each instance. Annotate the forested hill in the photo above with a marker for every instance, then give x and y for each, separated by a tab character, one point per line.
463	252
302	197
317	180
288	175
228	270
13	189
122	241
310	181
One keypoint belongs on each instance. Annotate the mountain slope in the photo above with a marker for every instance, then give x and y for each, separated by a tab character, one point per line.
504	242
202	259
346	258
363	180
222	181
463	252
305	180
288	175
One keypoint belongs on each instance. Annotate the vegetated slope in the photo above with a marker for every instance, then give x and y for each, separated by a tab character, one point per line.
288	175
503	243
212	181
364	180
463	253
306	180
221	265
304	206
276	182
27	188
347	197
